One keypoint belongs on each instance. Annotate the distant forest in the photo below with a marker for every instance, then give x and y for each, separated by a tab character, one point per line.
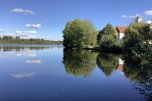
18	40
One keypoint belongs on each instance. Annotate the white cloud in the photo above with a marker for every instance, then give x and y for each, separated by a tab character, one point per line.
8	34
26	32
22	11
6	30
33	25
130	16
2	30
37	61
149	22
23	75
31	32
148	12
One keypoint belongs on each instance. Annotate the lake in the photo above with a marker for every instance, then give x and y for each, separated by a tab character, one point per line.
52	73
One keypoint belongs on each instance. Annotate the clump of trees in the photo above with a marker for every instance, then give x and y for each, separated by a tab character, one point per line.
18	40
79	34
107	38
138	57
138	40
82	34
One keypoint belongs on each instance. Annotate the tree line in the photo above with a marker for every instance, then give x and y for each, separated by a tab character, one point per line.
18	40
82	35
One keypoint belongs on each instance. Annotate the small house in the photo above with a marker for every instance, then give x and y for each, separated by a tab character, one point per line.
120	32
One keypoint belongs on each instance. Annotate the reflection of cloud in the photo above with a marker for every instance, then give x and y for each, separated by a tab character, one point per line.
29	54
23	75
38	61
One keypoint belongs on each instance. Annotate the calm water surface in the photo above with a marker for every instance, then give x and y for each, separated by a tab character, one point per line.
52	73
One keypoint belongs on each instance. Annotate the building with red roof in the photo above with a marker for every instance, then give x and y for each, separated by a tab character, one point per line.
120	32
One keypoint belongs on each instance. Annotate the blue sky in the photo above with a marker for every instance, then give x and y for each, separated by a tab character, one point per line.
47	18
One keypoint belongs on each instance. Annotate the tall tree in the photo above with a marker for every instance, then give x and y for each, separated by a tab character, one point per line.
79	34
107	38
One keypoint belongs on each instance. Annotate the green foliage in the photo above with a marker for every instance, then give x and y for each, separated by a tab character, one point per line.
17	40
107	62
79	62
79	34
138	38
107	38
138	57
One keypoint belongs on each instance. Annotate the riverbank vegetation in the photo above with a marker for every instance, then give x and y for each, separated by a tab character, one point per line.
79	34
138	39
18	40
135	62
83	35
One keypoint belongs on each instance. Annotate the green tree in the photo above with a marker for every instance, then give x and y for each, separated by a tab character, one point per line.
107	38
18	40
138	39
138	57
79	34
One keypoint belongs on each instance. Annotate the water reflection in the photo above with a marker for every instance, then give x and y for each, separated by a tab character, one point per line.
29	61
37	61
18	48
135	68
27	54
23	75
109	62
139	70
79	62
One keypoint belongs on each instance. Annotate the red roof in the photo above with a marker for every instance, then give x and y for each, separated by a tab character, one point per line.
120	68
121	29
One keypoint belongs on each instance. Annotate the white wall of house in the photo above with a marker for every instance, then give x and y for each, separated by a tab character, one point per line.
120	36
117	34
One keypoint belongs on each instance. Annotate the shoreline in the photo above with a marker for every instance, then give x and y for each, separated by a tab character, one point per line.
14	44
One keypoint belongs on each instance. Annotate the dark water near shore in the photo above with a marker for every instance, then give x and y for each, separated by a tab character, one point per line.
52	73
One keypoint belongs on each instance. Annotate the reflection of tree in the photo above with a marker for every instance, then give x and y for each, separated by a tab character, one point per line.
139	69
79	62
18	48
107	62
